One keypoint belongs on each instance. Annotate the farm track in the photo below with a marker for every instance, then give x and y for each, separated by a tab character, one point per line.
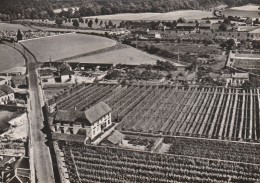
215	113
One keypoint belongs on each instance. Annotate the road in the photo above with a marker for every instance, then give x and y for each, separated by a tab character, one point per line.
41	153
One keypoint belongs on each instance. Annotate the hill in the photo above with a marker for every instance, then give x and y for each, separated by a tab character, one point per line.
44	8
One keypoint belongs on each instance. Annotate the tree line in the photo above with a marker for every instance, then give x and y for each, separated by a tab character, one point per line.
43	9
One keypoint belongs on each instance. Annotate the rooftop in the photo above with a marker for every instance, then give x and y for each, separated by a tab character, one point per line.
5	90
90	115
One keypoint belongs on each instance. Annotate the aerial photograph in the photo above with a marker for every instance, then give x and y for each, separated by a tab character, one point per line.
129	91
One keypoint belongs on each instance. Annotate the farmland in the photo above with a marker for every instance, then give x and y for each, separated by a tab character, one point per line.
243	11
247	62
10	58
128	55
68	45
187	14
215	113
89	164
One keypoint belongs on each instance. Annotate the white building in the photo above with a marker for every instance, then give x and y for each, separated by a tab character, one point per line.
90	122
6	94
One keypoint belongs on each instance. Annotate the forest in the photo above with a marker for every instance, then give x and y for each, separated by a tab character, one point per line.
34	9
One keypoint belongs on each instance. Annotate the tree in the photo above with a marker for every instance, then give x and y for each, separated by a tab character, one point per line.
75	23
86	21
59	21
230	43
181	20
19	35
96	20
90	23
81	20
101	23
110	23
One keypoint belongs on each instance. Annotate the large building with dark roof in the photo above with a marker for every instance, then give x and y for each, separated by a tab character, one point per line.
6	94
90	122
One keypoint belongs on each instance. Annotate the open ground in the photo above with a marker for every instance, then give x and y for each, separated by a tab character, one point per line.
63	46
10	58
13	27
187	14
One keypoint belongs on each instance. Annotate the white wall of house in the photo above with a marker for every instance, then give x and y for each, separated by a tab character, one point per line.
4	99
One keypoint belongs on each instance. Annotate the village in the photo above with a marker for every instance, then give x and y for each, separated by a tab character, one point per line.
150	100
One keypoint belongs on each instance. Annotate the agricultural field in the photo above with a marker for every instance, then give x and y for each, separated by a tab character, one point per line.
13	27
89	164
246	62
243	11
214	113
10	58
67	45
187	14
128	55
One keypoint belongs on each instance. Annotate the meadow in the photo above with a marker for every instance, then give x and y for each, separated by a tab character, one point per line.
10	58
249	10
64	46
187	14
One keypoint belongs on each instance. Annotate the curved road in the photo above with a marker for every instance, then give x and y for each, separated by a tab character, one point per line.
41	153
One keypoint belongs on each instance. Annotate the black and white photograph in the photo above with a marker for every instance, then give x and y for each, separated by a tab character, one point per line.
129	91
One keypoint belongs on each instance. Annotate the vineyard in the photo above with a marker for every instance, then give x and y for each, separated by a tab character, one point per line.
218	113
87	164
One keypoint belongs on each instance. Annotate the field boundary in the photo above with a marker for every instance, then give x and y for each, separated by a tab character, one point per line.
104	50
46	37
187	137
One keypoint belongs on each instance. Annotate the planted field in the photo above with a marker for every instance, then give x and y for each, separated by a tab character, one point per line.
217	113
187	14
129	55
246	62
64	46
89	164
10	58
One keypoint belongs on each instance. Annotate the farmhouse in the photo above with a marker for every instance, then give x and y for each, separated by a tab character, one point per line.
90	122
154	35
19	81
6	94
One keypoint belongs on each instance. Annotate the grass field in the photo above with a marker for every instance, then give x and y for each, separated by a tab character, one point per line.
249	10
130	56
187	14
10	58
13	27
63	46
249	7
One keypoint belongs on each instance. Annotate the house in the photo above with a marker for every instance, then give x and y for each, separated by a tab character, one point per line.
115	138
154	35
6	94
66	75
239	78
64	66
186	26
19	81
18	172
90	122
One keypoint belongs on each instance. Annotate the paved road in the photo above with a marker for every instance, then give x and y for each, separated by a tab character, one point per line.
41	153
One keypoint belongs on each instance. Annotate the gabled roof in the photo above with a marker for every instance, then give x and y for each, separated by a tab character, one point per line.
68	137
97	111
64	66
116	137
5	90
68	116
90	115
66	72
